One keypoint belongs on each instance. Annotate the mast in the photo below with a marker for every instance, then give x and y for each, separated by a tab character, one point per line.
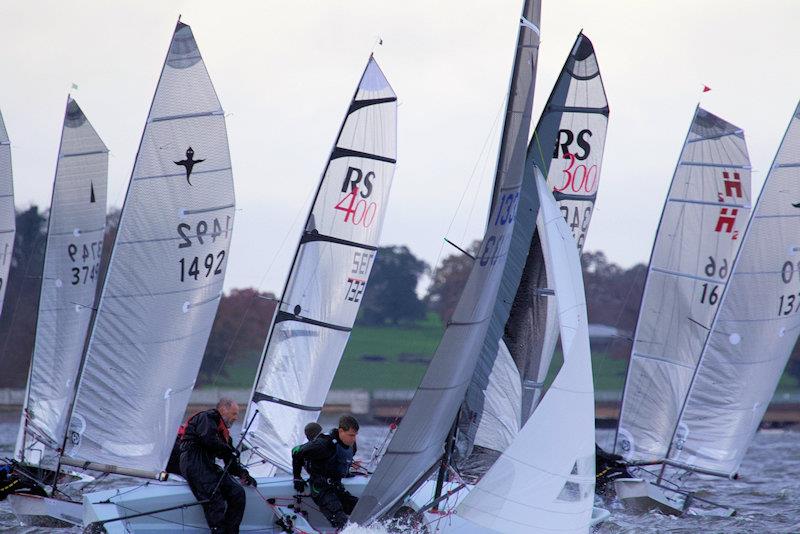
418	442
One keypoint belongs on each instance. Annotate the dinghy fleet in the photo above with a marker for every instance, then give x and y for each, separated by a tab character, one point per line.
483	446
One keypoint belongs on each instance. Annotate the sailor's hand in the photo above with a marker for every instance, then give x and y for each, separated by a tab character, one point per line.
248	480
299	485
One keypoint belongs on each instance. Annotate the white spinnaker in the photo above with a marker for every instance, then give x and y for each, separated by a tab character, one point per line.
76	226
755	330
328	278
701	227
165	276
544	481
7	213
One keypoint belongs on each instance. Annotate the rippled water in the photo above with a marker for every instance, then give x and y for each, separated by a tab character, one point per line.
767	496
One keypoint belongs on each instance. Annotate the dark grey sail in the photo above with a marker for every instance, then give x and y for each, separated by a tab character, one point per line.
509	376
419	441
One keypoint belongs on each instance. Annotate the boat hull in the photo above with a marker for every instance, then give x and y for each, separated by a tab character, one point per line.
639	495
36	511
187	515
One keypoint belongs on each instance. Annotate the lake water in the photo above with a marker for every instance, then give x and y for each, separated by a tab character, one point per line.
767	496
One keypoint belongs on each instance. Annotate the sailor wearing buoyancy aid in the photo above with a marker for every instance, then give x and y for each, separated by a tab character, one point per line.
328	458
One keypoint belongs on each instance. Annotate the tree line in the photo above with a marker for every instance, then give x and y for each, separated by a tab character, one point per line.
613	294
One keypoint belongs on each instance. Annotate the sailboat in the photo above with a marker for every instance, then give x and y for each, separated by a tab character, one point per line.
701	229
567	147
327	279
7	213
310	329
163	284
75	230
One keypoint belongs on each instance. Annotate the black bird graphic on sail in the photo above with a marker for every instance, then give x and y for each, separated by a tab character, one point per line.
189	163
797	205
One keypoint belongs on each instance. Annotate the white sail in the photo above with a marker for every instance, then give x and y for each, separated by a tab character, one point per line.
544	481
165	276
7	213
76	226
701	227
327	279
755	330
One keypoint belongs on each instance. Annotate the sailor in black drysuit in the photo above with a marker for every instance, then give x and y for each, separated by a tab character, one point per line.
609	468
206	437
328	458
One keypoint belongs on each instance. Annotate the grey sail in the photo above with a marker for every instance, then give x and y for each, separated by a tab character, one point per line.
419	440
755	329
7	213
165	276
700	231
567	148
328	277
75	230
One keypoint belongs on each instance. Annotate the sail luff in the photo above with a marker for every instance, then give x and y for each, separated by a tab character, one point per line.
71	265
165	275
328	277
739	369
707	206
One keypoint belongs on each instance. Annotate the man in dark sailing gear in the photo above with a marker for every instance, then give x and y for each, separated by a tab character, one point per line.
328	458
207	437
609	468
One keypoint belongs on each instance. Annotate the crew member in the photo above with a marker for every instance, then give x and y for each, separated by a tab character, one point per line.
609	468
207	437
328	458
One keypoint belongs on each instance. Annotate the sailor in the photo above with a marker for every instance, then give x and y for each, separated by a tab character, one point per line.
312	430
205	438
328	458
609	468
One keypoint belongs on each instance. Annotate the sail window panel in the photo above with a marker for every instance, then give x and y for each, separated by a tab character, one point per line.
369	129
329	282
184	90
298	369
353	199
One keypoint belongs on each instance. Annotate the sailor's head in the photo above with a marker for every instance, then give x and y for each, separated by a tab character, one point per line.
229	410
348	430
312	430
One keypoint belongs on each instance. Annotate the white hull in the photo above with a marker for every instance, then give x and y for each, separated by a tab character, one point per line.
453	523
35	511
639	495
259	516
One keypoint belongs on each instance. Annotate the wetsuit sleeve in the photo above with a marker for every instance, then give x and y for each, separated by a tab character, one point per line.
208	435
313	450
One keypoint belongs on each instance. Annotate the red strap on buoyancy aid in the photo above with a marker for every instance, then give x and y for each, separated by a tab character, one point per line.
226	434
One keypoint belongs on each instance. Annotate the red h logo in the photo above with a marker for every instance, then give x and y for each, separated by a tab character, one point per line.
726	221
733	188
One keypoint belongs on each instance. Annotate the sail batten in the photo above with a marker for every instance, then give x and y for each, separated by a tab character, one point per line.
165	276
327	278
70	273
701	229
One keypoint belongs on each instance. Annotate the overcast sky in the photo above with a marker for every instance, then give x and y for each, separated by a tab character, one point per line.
285	71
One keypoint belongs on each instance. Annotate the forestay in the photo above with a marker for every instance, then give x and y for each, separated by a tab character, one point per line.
699	234
328	277
419	440
165	276
508	381
755	330
7	213
76	226
544	481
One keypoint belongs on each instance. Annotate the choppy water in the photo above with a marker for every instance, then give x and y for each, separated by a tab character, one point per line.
767	496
